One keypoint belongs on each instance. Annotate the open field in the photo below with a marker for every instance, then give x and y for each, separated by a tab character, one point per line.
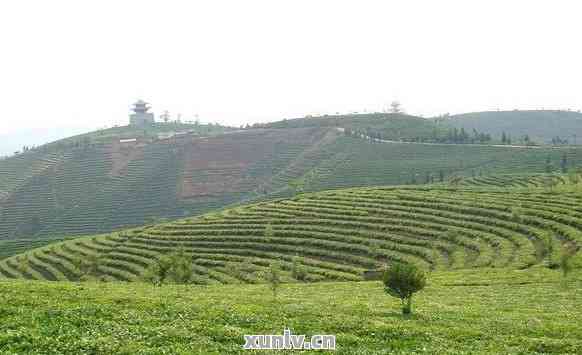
462	312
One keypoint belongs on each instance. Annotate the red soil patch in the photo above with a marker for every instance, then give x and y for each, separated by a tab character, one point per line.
122	154
238	162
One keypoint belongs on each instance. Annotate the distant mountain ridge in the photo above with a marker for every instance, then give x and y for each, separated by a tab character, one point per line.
541	125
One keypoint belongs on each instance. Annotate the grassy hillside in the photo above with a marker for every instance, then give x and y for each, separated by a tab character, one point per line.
93	184
540	125
462	312
333	235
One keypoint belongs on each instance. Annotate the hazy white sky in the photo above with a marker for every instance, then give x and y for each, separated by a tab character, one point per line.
82	63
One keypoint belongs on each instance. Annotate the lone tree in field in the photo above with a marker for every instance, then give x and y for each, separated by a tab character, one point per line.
395	107
402	281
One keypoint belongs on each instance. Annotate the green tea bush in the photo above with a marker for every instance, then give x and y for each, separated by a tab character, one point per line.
298	271
403	281
175	267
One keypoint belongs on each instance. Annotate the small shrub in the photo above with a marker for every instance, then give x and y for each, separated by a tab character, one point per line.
230	268
455	181
403	281
247	266
181	271
89	267
549	252
298	271
550	183
269	233
157	273
23	266
574	177
176	267
567	254
452	236
516	214
273	277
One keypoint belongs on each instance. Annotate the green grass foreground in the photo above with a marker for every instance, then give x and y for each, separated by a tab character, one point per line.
462	312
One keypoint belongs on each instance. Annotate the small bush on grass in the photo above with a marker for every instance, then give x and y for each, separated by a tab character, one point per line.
549	252
273	278
175	267
402	281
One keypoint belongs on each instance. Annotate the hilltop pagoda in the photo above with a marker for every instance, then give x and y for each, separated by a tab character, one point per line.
140	115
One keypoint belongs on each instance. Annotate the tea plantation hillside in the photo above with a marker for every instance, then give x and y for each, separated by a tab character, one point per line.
87	188
99	183
358	163
391	126
334	235
541	125
520	181
17	246
461	312
144	132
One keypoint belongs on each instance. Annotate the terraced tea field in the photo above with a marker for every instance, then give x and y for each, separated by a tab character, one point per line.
333	236
103	186
12	247
517	181
356	162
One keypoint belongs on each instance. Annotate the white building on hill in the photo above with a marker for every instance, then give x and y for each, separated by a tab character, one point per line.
140	115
